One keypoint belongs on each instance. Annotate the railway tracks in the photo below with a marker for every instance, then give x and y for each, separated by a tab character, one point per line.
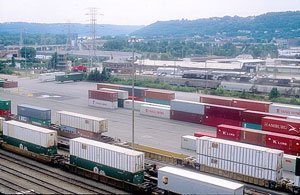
61	184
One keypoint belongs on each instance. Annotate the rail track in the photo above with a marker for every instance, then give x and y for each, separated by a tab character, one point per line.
89	188
14	188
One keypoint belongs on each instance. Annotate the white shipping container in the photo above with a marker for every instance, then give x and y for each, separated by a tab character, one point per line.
288	110
240	168
156	111
138	104
103	104
293	118
50	76
239	152
121	93
81	121
1	123
107	154
289	162
187	182
30	133
188	142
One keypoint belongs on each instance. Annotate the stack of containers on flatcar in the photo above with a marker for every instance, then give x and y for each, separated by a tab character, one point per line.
5	107
139	92
122	95
33	114
188	142
103	99
253	119
73	125
187	111
245	159
156	111
10	84
158	97
216	115
287	143
29	137
287	110
107	159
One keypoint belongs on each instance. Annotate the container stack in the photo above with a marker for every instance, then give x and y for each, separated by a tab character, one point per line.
156	111
122	95
187	111
251	105
107	159
253	161
78	125
280	125
210	99
139	92
29	137
158	97
287	110
103	99
35	115
5	107
107	86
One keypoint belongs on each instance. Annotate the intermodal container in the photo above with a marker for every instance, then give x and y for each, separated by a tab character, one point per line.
287	110
1	123
229	132
49	76
186	117
293	118
30	137
107	159
188	106
289	162
10	84
5	112
251	136
215	121
224	112
159	95
251	105
156	111
103	95
81	121
138	91
136	98
157	101
121	94
5	104
202	134
181	181
137	104
223	101
34	121
255	117
102	104
34	112
107	85
288	143
283	126
251	126
69	77
188	142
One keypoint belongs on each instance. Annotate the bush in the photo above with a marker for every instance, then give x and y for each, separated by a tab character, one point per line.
274	93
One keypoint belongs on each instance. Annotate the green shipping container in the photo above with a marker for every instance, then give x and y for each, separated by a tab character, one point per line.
156	101
136	178
70	77
35	121
121	103
29	146
5	104
252	126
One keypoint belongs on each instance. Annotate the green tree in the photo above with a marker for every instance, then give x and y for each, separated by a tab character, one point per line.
13	62
53	61
104	75
28	52
274	93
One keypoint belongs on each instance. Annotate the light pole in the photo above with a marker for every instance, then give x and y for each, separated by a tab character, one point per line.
132	41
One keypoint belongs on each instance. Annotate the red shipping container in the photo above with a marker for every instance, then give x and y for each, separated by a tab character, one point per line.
288	143
215	121
136	98
103	95
10	84
229	132
255	117
223	112
201	134
186	116
283	126
5	112
107	85
159	95
251	105
223	101
251	136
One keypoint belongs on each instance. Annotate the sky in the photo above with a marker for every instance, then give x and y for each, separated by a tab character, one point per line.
135	12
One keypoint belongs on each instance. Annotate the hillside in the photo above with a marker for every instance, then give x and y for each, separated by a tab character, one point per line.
269	25
62	28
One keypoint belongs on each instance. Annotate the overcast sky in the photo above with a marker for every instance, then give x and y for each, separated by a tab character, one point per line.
135	12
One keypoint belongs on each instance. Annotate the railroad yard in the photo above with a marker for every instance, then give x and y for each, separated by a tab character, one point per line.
24	175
